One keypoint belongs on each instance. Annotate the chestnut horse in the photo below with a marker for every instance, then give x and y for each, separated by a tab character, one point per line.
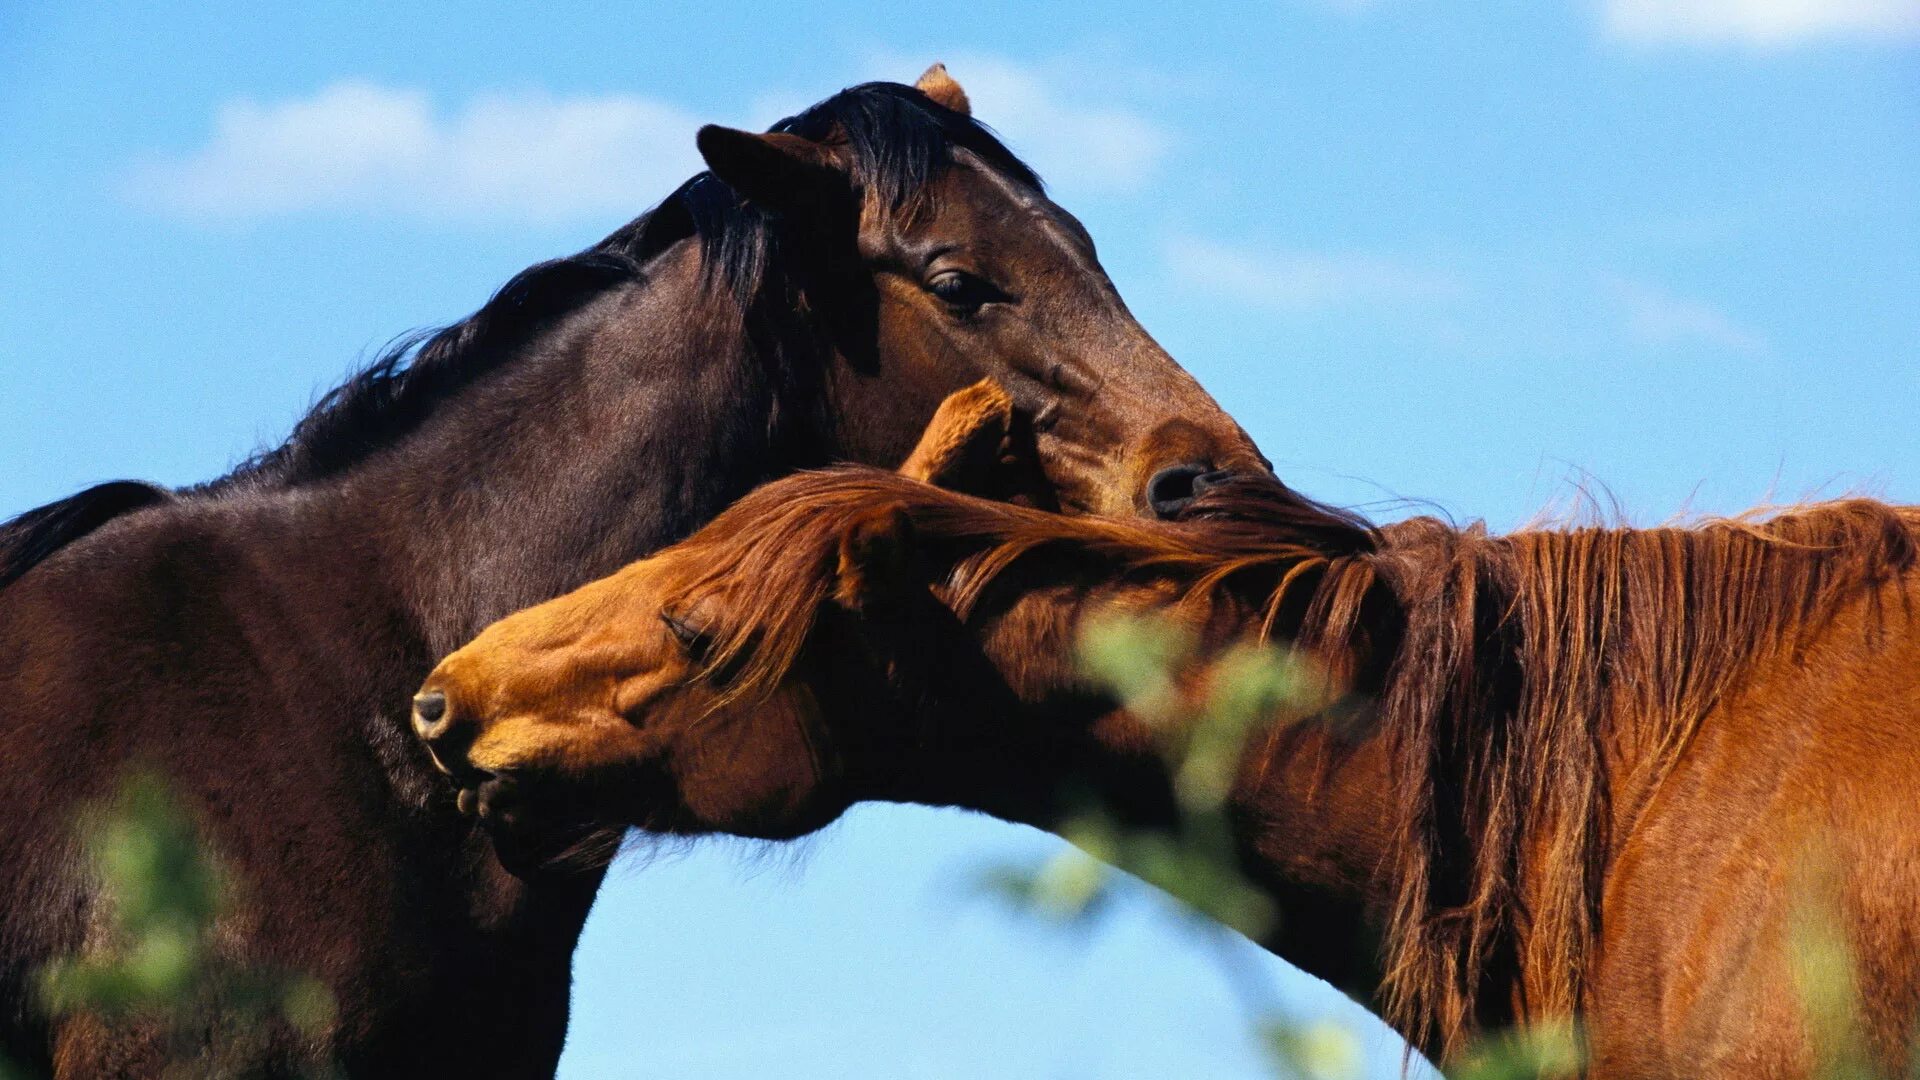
1591	767
810	299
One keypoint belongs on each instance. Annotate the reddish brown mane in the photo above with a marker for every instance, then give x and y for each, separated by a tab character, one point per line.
783	539
1511	655
1517	651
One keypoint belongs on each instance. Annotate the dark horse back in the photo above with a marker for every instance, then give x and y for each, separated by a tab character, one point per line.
42	899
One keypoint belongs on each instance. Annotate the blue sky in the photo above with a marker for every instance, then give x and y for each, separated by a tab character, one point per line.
1424	251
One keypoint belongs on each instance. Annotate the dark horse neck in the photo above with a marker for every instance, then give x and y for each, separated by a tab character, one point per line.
670	411
518	494
266	632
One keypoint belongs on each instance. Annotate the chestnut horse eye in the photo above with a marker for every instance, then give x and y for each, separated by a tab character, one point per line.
693	641
963	292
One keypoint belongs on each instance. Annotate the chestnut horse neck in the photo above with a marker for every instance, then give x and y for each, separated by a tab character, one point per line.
1546	672
1520	683
1536	678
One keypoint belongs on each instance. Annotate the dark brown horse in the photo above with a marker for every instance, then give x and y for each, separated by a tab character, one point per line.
810	299
1593	767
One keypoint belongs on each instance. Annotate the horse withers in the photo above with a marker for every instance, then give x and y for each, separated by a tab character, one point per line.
810	299
1627	777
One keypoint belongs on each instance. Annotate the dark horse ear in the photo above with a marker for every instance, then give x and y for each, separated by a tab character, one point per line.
941	87
782	173
877	560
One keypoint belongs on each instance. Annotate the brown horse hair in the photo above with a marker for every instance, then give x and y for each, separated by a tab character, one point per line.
1512	654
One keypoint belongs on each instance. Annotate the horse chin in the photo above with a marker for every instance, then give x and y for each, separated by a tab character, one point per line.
538	836
556	849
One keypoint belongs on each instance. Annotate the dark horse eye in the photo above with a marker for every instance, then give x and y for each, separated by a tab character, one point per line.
963	292
692	639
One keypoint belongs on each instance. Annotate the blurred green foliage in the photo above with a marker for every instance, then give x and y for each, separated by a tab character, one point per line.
1824	973
1203	721
1522	1054
156	968
1202	730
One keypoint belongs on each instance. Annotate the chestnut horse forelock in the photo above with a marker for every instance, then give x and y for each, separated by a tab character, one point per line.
1517	659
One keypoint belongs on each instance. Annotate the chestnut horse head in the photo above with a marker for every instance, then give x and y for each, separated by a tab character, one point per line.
779	665
1593	756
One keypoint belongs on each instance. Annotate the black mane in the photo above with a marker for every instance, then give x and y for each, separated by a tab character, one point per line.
38	533
898	140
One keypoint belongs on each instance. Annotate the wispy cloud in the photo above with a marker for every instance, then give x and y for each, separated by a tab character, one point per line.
1304	280
357	146
1769	24
1655	317
1448	302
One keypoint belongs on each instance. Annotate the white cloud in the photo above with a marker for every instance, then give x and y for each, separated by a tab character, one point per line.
1758	23
1305	280
1656	317
359	146
362	146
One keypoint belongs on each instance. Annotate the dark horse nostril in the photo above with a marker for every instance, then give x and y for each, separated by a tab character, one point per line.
1172	488
1206	482
428	709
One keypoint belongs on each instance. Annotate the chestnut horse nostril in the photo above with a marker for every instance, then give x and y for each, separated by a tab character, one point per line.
1172	488
428	710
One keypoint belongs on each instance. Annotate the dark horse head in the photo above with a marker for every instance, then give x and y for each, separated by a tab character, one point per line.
810	299
934	259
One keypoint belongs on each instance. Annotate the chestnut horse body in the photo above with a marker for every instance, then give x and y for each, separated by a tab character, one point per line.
809	300
1610	774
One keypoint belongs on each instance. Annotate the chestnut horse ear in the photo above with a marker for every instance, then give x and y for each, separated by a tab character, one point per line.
782	173
942	88
877	560
963	441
